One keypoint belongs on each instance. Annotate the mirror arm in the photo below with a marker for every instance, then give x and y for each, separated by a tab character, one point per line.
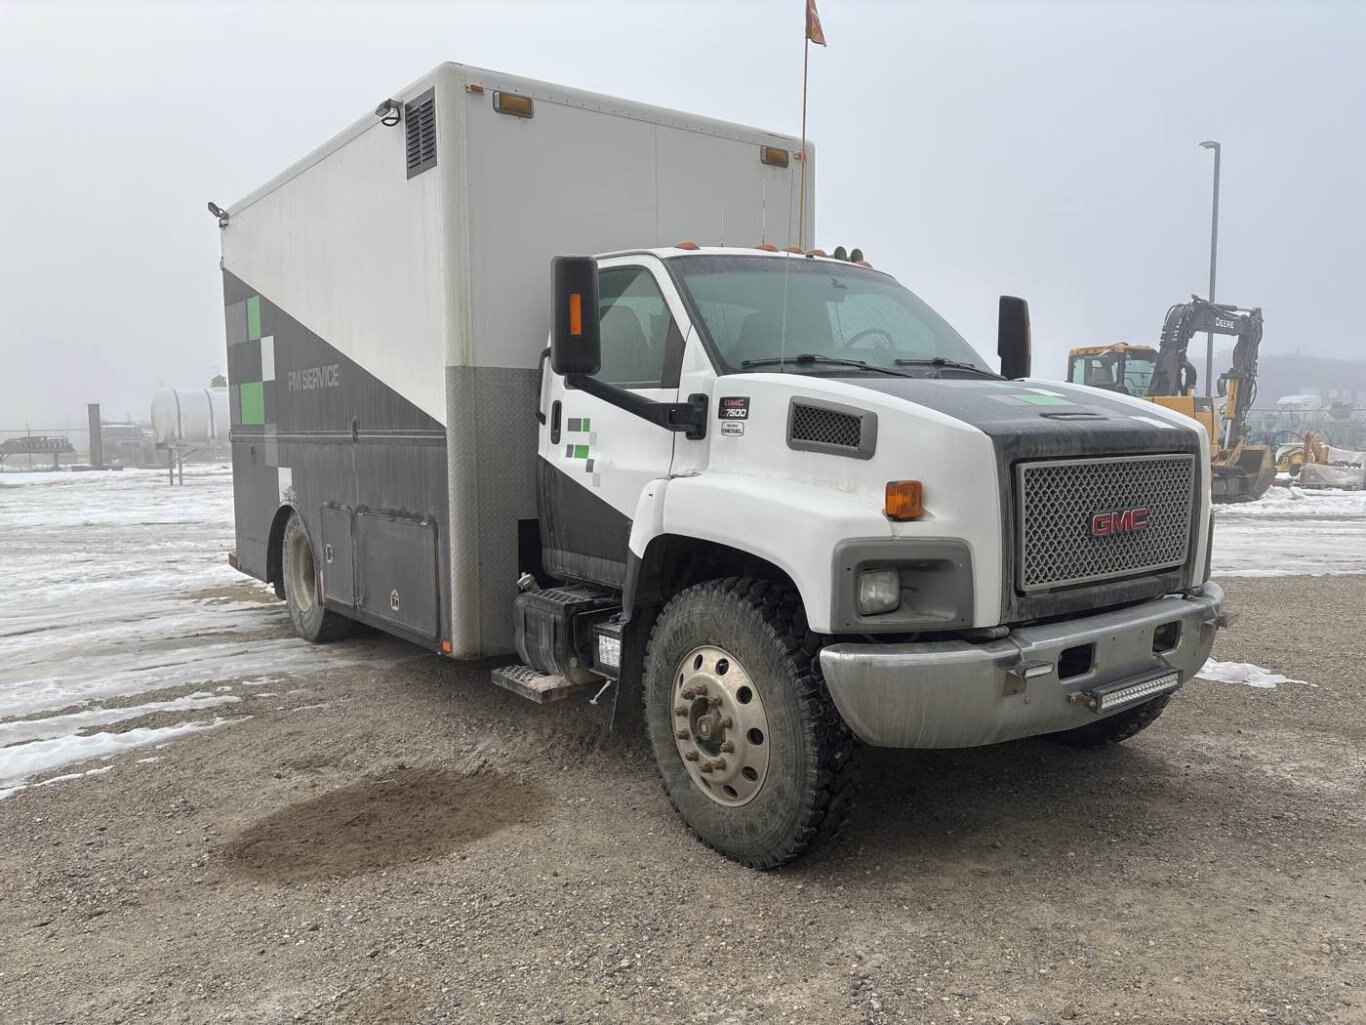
689	418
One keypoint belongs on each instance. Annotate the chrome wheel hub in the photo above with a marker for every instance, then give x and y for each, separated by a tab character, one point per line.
720	726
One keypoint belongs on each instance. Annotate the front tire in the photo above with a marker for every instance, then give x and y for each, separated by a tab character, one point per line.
751	750
303	588
1113	729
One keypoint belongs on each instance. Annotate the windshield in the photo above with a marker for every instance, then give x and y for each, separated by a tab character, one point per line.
758	309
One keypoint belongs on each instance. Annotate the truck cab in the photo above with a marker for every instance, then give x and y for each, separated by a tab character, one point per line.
803	500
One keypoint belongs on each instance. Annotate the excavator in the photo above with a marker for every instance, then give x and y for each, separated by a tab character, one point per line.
1241	471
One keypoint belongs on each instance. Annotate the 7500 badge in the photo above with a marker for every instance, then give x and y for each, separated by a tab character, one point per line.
733	407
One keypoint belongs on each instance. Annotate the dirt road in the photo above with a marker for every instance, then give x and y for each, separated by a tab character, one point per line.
393	840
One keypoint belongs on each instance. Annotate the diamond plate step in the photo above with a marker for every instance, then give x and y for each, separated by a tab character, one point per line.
536	686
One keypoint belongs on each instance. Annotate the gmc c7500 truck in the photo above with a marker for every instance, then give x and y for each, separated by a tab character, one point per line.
769	493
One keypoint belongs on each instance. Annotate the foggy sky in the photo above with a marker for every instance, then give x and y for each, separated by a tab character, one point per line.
1048	150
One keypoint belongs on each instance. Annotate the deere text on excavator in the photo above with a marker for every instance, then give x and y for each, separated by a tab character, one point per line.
1242	471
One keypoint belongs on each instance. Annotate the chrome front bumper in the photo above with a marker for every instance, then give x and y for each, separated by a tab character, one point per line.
958	694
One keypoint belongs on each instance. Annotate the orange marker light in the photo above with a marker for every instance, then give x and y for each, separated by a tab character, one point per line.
445	647
774	156
904	500
576	313
685	245
767	247
511	103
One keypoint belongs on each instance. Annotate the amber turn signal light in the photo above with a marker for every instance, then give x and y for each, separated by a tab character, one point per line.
904	501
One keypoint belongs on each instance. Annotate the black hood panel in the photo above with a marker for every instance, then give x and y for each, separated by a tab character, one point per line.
1043	420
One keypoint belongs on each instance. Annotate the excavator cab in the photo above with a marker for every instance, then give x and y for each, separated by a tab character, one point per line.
1121	368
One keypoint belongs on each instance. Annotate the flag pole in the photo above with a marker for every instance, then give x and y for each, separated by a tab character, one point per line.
801	202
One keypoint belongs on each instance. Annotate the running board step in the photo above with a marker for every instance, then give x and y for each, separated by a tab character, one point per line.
536	686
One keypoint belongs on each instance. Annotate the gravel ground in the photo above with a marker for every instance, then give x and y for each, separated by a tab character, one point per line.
394	840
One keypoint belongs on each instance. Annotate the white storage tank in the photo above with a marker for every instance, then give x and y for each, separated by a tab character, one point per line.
190	416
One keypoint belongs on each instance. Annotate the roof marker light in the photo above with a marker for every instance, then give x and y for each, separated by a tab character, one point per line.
685	245
774	156
767	247
512	103
794	249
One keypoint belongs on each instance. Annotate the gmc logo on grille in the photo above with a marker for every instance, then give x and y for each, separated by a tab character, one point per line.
1105	524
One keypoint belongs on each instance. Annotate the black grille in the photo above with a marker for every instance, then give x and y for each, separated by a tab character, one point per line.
826	427
1083	520
419	125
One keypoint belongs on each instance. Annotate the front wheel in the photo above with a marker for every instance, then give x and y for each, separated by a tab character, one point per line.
312	620
752	752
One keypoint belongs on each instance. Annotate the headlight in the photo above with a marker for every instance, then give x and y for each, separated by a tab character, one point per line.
879	590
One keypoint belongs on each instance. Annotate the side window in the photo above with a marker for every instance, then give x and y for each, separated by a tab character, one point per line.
641	345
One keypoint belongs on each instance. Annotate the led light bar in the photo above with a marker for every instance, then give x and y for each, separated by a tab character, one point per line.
1128	692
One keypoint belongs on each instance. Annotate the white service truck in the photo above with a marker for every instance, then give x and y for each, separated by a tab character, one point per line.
768	492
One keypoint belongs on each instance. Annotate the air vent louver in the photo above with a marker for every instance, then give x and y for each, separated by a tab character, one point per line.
817	426
419	126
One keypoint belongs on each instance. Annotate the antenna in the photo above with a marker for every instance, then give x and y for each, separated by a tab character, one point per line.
723	224
763	210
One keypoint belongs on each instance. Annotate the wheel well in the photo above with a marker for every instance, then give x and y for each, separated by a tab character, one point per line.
673	562
275	546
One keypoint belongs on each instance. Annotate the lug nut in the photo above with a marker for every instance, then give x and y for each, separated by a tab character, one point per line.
713	702
718	763
682	734
728	746
706	766
680	710
691	756
725	723
687	693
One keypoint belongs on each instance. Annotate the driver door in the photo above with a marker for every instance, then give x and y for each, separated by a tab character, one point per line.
596	459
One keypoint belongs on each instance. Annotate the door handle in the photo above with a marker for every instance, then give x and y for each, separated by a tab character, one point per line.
555	422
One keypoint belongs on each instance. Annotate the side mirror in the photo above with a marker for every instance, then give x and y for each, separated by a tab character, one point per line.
1221	386
575	339
1012	337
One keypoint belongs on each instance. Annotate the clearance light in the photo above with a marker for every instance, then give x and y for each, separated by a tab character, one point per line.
794	249
815	252
685	245
774	156
767	247
904	500
511	103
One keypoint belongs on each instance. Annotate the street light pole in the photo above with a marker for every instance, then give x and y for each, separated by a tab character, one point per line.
1213	259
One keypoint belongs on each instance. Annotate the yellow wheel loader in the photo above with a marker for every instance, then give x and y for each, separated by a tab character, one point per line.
1241	471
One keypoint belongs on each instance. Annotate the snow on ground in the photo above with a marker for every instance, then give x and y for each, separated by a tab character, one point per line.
1291	531
117	586
1242	672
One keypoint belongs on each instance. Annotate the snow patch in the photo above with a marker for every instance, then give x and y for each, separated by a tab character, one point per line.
20	762
1242	672
26	730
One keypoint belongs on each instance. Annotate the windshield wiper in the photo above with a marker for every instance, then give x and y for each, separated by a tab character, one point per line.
811	357
940	361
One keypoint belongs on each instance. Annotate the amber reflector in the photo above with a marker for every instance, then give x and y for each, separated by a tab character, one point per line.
576	313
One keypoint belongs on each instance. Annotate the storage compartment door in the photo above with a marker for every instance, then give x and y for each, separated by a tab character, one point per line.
339	567
399	571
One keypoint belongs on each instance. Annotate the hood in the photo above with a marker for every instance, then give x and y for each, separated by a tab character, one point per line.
1043	419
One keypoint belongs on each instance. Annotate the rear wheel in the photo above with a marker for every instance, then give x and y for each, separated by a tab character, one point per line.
1115	728
752	752
312	621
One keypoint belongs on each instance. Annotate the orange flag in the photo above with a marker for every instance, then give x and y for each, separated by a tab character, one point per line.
813	24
